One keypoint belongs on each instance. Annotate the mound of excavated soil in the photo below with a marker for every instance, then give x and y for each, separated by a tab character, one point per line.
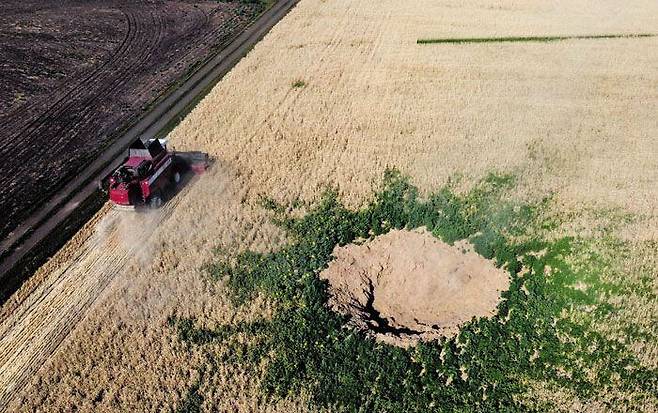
406	286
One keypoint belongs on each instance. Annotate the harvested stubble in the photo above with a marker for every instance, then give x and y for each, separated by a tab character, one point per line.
576	119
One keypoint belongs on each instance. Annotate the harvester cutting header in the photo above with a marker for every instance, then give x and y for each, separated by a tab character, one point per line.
150	174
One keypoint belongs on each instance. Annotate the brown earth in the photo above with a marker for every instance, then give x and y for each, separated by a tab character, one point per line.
406	286
76	72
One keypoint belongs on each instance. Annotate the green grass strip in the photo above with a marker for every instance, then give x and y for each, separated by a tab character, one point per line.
531	38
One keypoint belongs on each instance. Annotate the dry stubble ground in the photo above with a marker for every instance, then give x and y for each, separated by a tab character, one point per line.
573	118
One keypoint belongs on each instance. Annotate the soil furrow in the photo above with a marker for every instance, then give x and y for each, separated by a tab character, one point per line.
45	150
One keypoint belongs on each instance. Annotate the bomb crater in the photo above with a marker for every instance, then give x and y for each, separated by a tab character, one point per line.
405	286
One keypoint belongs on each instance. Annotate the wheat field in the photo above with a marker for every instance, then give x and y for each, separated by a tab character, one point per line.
338	91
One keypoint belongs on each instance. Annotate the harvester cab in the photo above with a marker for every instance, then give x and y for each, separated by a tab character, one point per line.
150	174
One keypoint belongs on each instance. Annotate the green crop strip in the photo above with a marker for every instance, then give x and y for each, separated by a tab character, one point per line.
307	348
531	38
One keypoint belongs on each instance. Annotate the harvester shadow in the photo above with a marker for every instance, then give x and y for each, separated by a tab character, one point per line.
188	177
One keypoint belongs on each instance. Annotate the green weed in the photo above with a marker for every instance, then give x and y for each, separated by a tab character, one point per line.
298	84
192	401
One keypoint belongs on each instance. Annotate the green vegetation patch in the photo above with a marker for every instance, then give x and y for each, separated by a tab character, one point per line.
543	39
305	347
298	84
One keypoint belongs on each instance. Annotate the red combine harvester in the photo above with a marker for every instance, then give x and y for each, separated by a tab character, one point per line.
149	174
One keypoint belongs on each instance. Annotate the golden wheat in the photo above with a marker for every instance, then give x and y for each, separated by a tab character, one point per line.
576	119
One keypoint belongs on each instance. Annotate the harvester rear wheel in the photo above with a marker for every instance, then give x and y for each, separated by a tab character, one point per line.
156	201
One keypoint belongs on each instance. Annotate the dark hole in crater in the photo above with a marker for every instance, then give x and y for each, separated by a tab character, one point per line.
378	323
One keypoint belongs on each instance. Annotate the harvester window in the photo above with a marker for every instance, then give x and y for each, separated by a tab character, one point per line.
122	175
144	168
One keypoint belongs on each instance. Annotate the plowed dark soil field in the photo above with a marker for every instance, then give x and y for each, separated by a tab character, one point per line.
73	74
